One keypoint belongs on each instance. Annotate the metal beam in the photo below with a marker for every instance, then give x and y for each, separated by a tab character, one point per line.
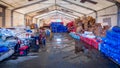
96	16
3	6
58	6
7	3
29	4
70	14
60	11
41	14
2	14
79	5
64	8
40	9
12	18
118	14
106	7
108	15
103	9
57	12
112	1
45	15
4	23
65	15
71	10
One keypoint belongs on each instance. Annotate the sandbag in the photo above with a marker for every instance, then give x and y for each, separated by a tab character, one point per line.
111	42
108	49
4	49
113	34
116	29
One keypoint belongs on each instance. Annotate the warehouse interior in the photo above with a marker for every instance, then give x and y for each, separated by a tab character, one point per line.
59	33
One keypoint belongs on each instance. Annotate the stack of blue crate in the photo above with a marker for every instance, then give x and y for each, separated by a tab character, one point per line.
57	27
111	44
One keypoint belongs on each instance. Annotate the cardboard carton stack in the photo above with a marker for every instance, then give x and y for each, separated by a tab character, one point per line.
85	23
104	29
97	29
88	24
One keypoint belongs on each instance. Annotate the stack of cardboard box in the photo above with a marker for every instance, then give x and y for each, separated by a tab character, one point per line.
97	29
88	24
104	29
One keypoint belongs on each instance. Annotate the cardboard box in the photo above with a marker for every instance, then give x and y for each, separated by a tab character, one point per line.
79	29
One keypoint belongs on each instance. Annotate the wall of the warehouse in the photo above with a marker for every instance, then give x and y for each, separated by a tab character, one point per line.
8	18
18	19
110	13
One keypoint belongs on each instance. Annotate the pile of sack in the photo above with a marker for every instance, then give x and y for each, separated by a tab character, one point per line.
111	44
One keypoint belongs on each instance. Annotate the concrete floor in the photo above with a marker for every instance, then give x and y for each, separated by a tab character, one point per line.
60	53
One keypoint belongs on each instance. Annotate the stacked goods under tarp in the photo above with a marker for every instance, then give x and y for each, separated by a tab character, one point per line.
7	43
111	44
88	24
84	24
89	31
10	41
58	27
104	30
97	29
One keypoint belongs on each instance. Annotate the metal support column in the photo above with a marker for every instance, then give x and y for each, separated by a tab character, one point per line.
96	16
2	14
12	18
3	23
118	14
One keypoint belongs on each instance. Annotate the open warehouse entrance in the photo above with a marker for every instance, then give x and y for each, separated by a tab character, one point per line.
59	33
